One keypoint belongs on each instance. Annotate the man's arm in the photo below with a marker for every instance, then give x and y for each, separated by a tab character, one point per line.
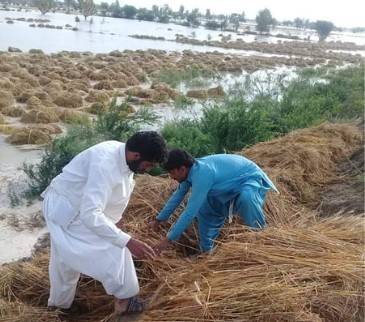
201	185
174	201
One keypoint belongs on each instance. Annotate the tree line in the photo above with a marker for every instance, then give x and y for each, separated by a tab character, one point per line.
164	14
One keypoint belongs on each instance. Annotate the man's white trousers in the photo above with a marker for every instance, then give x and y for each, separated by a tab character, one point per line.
76	249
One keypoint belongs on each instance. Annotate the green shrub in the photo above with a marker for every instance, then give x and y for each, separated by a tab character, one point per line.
186	134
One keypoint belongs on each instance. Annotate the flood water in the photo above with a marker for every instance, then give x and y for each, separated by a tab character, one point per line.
106	34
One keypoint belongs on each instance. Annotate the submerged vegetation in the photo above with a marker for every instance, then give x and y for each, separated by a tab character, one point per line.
239	121
192	76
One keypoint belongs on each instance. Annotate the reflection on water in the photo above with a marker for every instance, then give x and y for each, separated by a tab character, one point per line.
107	34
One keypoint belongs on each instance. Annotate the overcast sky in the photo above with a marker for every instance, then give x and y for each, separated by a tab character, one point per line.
343	13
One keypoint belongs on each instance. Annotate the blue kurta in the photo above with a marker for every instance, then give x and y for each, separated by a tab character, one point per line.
216	181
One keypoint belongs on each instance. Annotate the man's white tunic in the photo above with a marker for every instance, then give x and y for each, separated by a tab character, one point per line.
81	206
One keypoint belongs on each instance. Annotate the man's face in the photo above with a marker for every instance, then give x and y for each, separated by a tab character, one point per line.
140	166
179	174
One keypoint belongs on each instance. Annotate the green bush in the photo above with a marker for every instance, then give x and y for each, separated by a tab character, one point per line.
186	134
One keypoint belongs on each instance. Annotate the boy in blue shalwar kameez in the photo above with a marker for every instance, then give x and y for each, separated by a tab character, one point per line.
221	185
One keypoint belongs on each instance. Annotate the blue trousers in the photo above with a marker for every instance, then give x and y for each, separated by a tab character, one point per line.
212	215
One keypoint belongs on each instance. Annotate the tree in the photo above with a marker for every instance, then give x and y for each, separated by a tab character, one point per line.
323	29
129	12
87	8
69	4
234	19
208	15
156	11
116	10
145	14
44	6
299	24
242	17
164	14
181	12
264	20
193	18
212	25
104	8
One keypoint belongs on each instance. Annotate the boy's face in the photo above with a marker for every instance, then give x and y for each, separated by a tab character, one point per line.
179	174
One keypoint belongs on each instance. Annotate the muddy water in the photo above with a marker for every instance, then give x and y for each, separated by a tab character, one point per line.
107	34
15	243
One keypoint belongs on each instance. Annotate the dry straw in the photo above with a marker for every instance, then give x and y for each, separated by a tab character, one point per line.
301	268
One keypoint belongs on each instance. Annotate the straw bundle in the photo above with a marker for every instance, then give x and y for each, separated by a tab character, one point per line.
300	164
276	274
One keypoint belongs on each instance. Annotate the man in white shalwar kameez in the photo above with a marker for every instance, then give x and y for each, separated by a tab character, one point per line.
81	207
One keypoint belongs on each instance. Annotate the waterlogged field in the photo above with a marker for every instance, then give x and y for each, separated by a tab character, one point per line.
106	34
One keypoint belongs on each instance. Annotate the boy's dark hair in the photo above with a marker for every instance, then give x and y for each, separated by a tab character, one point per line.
150	145
178	158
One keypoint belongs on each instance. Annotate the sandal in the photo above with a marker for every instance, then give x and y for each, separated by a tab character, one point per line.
134	306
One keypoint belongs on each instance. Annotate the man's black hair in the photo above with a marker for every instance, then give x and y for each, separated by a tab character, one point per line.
150	145
178	158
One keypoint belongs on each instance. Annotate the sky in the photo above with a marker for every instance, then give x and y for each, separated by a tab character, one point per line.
343	13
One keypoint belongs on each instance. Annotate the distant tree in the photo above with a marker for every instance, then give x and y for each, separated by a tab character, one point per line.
156	11
129	12
242	17
193	18
166	10
163	19
323	29
298	23
234	19
77	19
68	4
87	8
44	6
145	14
274	23
104	8
287	23
116	10
181	12
264	20
164	14
212	25
208	15
224	24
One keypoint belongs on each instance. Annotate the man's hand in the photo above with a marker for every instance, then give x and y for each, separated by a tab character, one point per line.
155	225
159	248
140	250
